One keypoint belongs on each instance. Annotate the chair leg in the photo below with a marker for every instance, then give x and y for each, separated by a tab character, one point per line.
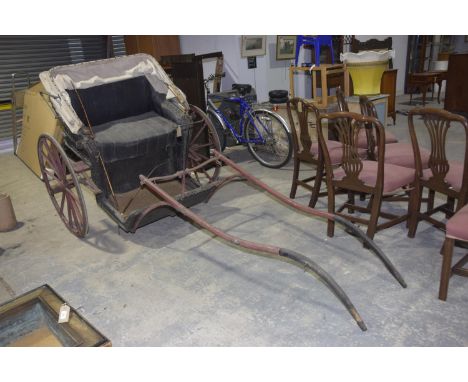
413	210
317	184
317	53
297	164
430	200
298	48
351	200
331	209
441	252
376	201
446	268
450	206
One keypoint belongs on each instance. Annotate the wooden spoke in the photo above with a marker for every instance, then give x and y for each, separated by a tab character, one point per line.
62	185
201	129
202	142
62	203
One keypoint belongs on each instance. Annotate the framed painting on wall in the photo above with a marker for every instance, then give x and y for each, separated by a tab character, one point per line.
285	47
253	46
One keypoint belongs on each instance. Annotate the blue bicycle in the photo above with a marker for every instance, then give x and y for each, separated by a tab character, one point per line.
264	132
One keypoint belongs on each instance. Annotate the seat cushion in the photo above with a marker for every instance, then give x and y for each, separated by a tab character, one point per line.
362	138
454	176
401	154
395	177
134	136
143	144
457	225
334	150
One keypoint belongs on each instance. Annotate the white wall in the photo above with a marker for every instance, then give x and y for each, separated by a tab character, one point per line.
270	74
460	46
400	45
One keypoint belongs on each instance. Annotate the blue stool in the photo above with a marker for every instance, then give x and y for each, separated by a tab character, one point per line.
316	41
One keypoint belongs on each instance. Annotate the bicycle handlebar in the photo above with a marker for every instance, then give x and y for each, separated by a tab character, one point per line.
211	77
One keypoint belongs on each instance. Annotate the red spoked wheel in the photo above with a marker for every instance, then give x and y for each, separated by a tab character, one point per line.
202	141
62	185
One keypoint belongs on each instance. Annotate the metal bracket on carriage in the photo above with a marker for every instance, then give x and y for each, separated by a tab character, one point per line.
182	174
276	252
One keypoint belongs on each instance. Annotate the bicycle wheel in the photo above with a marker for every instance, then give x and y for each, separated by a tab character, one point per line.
215	120
276	151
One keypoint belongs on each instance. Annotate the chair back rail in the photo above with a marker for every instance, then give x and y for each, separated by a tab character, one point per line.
298	111
306	150
348	125
437	123
368	108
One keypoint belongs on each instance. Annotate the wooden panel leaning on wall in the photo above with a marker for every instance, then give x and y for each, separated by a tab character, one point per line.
388	86
157	46
456	93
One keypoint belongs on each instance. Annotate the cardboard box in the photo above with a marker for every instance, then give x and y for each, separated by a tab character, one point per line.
38	118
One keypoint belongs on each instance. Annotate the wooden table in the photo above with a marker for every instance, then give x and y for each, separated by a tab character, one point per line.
325	70
425	80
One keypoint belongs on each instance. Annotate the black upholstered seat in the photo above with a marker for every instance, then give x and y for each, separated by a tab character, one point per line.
135	136
135	129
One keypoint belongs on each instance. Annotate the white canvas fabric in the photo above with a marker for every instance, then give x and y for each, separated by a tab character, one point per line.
59	79
367	56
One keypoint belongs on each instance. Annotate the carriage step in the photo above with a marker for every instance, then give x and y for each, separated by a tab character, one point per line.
79	166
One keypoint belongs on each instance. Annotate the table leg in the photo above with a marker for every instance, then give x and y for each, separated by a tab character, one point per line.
324	88
424	90
314	84
346	82
291	81
439	83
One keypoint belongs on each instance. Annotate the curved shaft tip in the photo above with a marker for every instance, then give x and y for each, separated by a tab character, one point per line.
355	231
309	265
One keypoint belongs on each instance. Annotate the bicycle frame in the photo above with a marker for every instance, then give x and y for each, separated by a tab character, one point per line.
246	116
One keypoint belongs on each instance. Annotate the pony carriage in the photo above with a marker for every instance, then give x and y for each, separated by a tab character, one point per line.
131	137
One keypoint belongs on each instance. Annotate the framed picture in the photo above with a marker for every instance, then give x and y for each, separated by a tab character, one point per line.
285	47
253	46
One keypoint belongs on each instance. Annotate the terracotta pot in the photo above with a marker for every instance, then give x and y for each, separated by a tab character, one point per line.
7	214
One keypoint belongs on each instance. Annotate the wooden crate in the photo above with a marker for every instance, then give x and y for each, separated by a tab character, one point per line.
32	320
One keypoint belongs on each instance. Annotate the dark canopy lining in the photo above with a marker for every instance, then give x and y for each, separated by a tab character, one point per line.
116	100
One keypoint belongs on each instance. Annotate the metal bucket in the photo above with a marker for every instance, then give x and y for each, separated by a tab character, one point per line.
367	76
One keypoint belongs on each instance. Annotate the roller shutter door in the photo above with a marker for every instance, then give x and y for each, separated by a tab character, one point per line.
34	54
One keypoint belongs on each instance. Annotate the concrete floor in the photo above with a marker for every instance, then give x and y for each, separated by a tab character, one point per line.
171	284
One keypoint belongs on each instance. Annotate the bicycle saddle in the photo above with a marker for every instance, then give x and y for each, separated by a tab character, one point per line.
243	89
